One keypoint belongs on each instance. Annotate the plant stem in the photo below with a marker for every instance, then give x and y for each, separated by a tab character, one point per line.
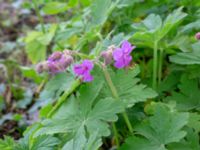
155	65
160	66
39	15
115	95
83	56
116	134
62	99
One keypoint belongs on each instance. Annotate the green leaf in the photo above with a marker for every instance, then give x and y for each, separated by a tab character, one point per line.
80	141
128	87
186	98
52	8
37	42
73	3
31	74
25	142
154	29
7	144
100	10
165	126
191	26
153	23
36	51
138	143
52	90
194	122
188	58
171	21
190	143
84	115
44	142
26	100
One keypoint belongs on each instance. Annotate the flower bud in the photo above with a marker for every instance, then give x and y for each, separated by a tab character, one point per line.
197	35
55	56
41	67
107	55
66	61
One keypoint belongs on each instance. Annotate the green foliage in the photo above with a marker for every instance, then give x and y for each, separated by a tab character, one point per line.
7	144
37	42
154	29
53	8
83	117
128	87
190	143
100	10
31	74
187	58
188	96
53	89
164	127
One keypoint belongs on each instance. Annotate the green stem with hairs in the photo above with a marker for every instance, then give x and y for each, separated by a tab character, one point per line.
115	95
160	66
83	56
39	15
116	134
63	98
155	65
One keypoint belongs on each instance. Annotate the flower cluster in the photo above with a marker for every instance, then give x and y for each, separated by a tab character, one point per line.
59	61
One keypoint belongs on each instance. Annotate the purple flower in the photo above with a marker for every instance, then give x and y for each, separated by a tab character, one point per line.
83	70
122	56
197	35
58	62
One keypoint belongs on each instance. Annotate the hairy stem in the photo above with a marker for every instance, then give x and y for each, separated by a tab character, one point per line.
62	99
115	95
155	65
160	66
116	134
39	15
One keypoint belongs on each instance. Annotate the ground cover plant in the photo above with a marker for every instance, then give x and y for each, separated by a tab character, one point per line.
100	75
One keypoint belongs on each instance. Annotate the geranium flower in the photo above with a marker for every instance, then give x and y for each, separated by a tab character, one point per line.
83	70
122	55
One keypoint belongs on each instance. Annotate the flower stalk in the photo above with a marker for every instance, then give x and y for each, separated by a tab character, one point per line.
115	95
116	134
155	65
62	99
160	66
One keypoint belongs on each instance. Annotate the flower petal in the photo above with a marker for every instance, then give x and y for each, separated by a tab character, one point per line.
119	64
87	77
88	64
127	60
78	69
117	54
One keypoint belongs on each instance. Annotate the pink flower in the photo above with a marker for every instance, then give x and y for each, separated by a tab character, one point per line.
197	35
83	70
122	56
